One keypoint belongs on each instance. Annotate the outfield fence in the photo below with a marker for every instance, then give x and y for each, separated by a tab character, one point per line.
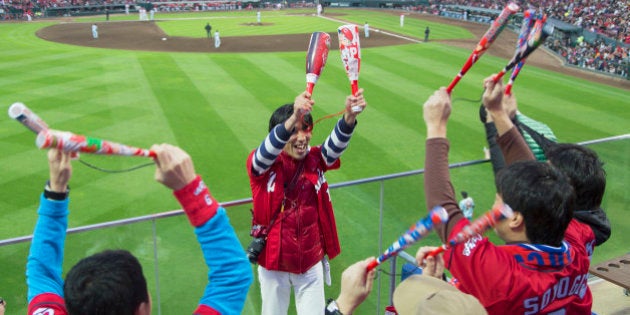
379	180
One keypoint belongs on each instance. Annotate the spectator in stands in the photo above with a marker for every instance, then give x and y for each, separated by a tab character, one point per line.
544	246
588	178
534	132
111	282
582	165
604	17
292	206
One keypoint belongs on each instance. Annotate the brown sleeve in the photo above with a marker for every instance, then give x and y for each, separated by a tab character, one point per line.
514	147
438	189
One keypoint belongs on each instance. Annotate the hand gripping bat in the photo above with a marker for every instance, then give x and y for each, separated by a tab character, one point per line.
488	38
479	226
538	35
422	228
69	142
316	58
350	50
526	28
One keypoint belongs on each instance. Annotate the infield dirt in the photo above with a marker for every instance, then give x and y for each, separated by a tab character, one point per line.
147	36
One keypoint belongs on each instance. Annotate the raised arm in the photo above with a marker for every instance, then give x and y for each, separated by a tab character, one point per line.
44	265
229	275
437	182
269	150
337	142
512	144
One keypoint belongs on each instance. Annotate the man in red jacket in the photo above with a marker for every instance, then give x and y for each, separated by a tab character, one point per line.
543	266
292	208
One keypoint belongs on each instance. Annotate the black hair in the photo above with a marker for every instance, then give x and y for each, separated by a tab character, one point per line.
584	169
543	195
107	283
285	111
464	194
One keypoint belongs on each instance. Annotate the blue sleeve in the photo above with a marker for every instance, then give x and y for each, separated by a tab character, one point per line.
230	273
45	258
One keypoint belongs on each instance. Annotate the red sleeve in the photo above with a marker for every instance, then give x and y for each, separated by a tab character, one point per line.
205	310
197	202
47	303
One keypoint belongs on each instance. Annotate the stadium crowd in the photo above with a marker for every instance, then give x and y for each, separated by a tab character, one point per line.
598	56
607	17
608	22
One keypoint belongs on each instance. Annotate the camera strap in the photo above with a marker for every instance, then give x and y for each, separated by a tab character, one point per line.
291	186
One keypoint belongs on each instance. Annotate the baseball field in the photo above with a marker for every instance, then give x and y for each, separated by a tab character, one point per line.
134	87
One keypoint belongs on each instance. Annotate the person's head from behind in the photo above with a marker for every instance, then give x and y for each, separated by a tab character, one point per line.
297	146
584	169
542	199
107	283
464	194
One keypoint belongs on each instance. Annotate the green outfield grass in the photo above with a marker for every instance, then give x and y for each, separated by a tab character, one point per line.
216	107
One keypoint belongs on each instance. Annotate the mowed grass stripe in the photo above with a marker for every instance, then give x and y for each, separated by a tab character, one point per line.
572	113
193	121
32	62
231	98
67	82
570	122
20	37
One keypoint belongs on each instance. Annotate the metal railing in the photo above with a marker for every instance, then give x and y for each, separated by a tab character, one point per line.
380	179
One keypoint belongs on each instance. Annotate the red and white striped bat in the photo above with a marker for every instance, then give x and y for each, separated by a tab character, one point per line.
350	49
28	118
538	35
488	38
316	58
69	142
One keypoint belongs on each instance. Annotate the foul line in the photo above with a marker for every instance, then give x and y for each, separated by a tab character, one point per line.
375	30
